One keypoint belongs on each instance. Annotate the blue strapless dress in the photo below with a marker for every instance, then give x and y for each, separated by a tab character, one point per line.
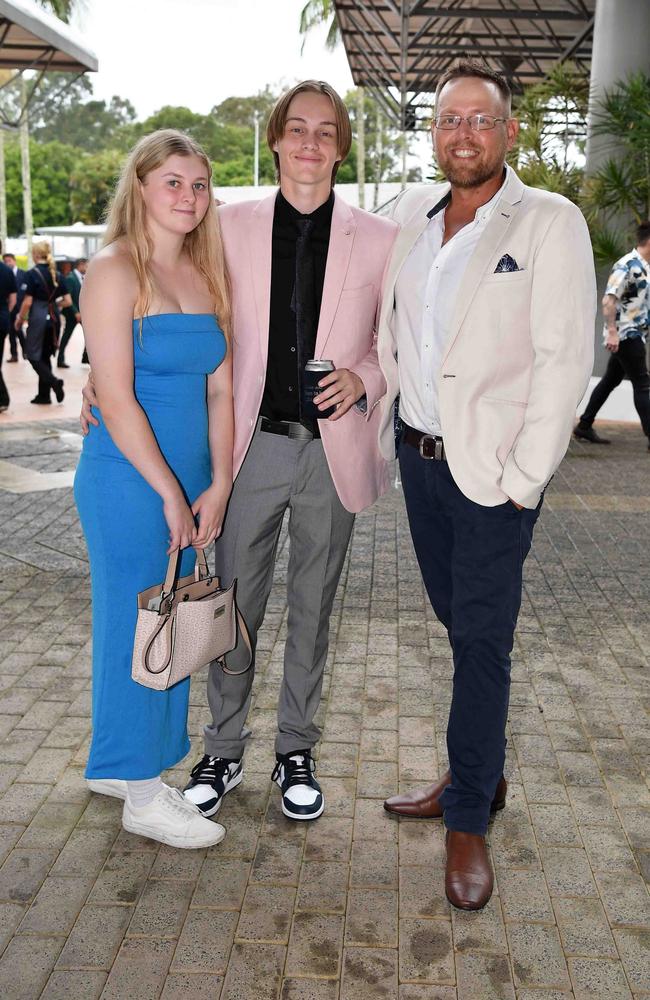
139	732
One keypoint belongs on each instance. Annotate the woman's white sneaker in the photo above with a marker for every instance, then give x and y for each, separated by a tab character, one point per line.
114	787
172	820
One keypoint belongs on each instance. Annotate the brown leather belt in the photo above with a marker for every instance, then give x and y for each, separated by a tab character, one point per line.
428	445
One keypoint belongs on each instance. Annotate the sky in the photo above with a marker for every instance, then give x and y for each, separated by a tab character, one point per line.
196	53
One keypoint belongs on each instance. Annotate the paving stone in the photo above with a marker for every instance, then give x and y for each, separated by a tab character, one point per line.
161	909
425	951
537	958
139	970
82	985
368	974
608	850
323	886
484	976
205	942
266	914
56	905
254	972
23	873
374	865
584	928
309	989
568	872
122	878
422	891
84	853
625	898
593	978
633	945
315	945
20	803
96	937
187	986
277	862
26	965
10	916
329	839
482	930
371	919
524	896
221	884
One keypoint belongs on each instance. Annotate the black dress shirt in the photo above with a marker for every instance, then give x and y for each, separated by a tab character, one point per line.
282	387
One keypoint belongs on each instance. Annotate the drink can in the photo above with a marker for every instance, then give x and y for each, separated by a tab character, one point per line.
314	371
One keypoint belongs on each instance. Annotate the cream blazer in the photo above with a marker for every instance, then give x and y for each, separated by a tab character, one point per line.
359	249
520	350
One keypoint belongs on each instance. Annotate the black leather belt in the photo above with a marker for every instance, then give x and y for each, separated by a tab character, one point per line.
428	445
287	428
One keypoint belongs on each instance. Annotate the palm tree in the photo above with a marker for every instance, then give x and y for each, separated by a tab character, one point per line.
313	14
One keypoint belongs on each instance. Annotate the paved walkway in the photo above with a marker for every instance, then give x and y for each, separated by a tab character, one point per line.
352	906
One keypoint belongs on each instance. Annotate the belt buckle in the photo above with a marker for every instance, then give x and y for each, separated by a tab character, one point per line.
423	443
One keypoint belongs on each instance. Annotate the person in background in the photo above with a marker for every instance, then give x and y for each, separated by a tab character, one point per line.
8	292
15	336
626	308
74	280
45	292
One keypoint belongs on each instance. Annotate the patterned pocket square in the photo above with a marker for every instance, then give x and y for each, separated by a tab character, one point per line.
507	263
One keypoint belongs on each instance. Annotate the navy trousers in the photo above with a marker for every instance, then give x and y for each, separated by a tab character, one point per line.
471	558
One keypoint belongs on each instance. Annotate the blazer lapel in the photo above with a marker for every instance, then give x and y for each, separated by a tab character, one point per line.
260	243
342	235
495	230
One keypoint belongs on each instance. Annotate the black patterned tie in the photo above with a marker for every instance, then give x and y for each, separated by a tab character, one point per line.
303	303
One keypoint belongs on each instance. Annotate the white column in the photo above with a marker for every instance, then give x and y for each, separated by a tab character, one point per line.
621	47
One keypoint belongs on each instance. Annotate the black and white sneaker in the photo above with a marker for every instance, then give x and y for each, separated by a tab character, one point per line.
210	779
302	797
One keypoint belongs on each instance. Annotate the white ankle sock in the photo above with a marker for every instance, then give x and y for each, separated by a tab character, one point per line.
141	793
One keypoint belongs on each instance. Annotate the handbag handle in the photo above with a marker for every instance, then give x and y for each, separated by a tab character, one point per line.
166	626
243	629
201	571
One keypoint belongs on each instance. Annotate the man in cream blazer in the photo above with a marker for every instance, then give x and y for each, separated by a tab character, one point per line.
321	471
486	331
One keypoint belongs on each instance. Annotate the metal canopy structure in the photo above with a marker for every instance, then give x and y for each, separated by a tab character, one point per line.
33	39
399	48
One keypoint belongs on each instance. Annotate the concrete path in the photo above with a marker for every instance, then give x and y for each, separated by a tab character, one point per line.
352	906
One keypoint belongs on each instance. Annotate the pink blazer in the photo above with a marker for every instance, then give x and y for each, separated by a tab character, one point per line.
359	248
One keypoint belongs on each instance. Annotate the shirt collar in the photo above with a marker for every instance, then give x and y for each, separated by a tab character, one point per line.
483	212
321	216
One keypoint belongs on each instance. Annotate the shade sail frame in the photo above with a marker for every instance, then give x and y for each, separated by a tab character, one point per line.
398	49
31	39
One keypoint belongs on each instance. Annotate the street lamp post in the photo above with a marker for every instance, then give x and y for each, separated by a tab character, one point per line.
256	155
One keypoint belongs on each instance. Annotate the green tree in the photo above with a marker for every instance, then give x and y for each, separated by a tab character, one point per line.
92	183
90	125
553	129
619	190
52	164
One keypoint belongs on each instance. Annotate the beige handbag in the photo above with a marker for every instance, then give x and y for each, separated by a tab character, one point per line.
183	626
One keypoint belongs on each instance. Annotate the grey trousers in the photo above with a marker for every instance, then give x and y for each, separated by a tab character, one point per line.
279	473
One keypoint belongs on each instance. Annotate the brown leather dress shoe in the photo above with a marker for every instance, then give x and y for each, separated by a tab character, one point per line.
468	874
422	803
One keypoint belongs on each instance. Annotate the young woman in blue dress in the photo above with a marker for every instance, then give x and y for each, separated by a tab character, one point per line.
156	473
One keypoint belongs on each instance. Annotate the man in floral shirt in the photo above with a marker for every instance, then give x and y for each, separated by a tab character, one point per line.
626	308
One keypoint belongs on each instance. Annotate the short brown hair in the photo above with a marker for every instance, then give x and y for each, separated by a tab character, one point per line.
469	67
278	120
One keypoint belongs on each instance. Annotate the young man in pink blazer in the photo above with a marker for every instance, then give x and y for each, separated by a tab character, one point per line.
306	273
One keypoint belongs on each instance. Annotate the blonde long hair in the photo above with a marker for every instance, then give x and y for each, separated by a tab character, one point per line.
126	219
42	251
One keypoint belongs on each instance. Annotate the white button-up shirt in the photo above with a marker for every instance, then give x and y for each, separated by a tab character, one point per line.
425	298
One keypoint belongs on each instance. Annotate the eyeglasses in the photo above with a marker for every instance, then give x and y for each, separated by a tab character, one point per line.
478	123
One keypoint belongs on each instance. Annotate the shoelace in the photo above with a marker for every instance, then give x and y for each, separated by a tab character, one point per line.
209	768
297	770
176	803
